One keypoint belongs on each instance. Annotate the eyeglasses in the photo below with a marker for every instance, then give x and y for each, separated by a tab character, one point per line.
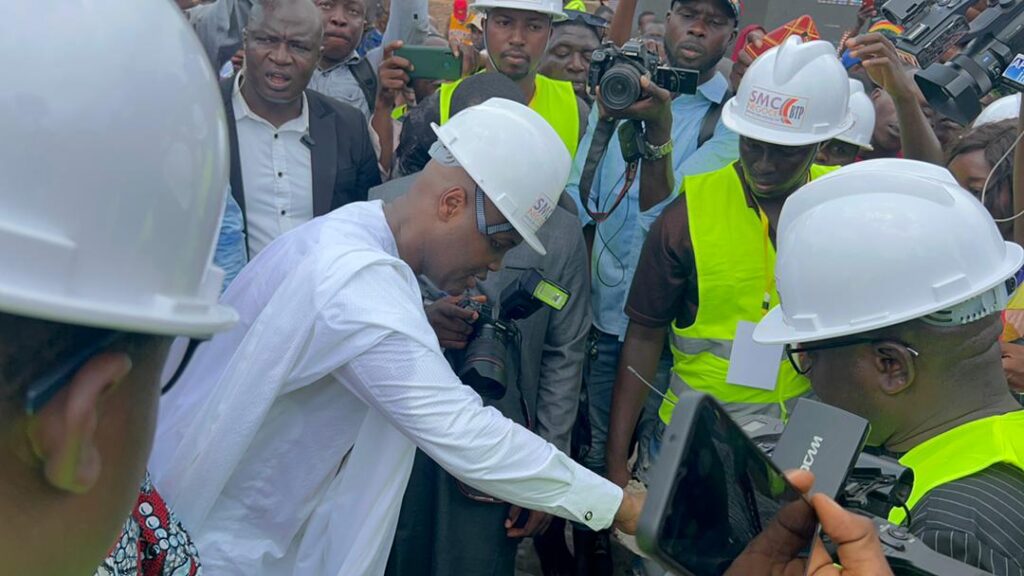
801	362
45	387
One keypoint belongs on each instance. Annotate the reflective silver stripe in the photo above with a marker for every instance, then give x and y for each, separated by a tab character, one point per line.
692	346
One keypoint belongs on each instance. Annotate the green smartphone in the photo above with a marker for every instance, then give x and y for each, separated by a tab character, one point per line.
433	62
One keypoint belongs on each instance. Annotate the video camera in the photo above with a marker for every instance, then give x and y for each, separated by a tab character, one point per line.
617	71
995	38
491	360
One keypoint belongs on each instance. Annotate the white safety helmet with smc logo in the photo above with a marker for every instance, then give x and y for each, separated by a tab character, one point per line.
881	242
115	167
795	94
515	157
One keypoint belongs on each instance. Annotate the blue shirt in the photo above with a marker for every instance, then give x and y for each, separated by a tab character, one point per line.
230	254
618	240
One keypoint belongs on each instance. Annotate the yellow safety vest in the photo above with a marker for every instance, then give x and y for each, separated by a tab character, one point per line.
554	100
729	253
962	451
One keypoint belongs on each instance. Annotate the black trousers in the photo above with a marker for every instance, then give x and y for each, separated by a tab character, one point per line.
442	532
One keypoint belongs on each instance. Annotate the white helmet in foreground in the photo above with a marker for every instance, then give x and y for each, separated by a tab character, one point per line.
115	166
863	112
515	157
552	8
795	94
882	242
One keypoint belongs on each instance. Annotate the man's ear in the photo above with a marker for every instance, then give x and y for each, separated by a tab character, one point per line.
63	433
452	202
894	365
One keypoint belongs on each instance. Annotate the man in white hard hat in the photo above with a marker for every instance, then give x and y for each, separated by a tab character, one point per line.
288	442
516	35
845	148
102	267
891	279
705	271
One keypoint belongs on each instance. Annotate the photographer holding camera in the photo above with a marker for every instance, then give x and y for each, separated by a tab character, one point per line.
891	278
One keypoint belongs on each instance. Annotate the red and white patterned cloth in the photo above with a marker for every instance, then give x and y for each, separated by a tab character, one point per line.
153	542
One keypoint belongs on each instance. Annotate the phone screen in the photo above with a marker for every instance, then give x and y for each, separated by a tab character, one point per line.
730	510
1014	73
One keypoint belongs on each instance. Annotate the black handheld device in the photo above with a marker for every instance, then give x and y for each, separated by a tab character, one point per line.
716	501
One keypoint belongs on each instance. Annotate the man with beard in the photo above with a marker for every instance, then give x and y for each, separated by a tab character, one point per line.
698	32
706	270
892	280
516	35
568	54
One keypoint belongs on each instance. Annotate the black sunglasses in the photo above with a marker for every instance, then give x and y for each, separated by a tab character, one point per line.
803	368
46	386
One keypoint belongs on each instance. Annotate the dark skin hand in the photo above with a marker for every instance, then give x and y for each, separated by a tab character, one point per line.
537	523
641	350
392	78
878	56
1013	365
654	109
774	551
452	323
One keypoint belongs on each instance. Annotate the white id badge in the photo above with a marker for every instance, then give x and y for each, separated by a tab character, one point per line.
752	364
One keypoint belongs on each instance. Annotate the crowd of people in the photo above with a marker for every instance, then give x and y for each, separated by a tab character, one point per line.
237	311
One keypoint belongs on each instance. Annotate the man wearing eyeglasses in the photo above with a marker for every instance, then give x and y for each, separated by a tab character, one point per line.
891	279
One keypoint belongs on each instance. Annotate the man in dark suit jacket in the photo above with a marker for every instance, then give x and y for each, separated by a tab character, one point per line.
295	154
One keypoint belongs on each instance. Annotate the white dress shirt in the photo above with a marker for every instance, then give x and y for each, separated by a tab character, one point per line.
277	172
287	445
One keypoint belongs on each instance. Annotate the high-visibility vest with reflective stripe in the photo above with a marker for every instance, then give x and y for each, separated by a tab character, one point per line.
728	250
554	100
962	451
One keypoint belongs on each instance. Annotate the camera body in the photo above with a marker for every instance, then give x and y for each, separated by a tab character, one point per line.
617	71
995	38
490	363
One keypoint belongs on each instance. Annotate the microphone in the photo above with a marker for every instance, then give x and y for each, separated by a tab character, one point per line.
824	440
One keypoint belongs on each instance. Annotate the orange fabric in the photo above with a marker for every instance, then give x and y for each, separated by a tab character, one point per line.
802	26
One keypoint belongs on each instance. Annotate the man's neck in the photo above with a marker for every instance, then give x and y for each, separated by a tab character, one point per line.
529	86
396	214
276	114
944	419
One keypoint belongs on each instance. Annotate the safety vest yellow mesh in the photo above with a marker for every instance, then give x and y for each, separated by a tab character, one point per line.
728	249
962	451
554	100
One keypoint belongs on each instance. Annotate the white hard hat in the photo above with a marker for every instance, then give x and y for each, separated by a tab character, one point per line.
792	95
1005	108
515	157
551	8
115	166
863	112
881	242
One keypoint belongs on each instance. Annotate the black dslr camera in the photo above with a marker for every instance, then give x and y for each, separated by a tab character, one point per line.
617	71
993	39
491	360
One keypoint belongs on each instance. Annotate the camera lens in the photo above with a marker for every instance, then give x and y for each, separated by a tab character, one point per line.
955	88
485	367
620	87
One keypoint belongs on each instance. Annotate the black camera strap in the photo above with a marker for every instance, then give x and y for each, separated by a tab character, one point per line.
598	147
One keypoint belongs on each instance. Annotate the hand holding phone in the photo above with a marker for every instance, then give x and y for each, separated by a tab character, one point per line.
431	62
